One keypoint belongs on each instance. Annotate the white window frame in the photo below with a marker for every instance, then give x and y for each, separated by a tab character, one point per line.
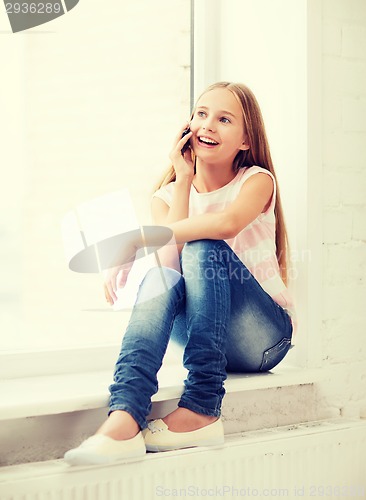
307	353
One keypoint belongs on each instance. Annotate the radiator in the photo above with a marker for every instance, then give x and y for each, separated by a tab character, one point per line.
312	460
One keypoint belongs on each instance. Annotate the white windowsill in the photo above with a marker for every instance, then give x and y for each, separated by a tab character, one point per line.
54	394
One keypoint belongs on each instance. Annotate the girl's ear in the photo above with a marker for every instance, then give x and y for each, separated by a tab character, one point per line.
244	146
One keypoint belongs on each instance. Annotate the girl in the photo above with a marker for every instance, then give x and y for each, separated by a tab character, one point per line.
229	307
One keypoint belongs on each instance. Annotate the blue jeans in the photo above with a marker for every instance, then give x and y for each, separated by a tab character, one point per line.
217	312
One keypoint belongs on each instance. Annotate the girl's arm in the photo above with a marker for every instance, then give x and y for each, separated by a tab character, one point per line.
179	209
254	197
184	172
163	214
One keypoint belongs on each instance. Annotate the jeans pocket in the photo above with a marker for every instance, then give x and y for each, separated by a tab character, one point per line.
272	356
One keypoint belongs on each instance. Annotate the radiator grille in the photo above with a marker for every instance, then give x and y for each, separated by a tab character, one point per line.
320	459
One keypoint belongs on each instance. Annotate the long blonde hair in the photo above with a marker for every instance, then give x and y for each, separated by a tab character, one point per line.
257	154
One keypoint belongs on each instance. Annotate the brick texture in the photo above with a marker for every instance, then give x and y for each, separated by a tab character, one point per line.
344	203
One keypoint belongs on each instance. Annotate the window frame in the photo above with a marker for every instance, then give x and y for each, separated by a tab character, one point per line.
307	354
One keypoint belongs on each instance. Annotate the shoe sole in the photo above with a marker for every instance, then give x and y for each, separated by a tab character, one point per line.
79	458
208	442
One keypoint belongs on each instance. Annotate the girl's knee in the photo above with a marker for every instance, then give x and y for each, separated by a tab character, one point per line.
199	247
157	274
157	281
203	251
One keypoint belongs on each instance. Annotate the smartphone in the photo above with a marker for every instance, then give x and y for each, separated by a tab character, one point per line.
186	146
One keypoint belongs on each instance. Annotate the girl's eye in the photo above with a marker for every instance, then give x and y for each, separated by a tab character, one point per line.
224	119
201	113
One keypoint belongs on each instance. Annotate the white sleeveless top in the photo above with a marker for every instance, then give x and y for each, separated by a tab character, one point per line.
255	244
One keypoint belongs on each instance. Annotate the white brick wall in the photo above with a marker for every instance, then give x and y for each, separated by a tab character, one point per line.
354	40
359	223
344	165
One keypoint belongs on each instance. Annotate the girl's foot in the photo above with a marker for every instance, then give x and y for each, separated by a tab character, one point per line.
118	439
183	428
184	420
120	425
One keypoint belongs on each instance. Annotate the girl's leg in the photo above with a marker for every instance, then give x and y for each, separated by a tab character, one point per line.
232	324
195	422
160	299
260	330
208	309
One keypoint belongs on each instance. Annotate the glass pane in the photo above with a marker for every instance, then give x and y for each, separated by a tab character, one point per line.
91	103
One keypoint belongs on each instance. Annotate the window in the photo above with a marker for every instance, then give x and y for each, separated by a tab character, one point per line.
91	105
93	108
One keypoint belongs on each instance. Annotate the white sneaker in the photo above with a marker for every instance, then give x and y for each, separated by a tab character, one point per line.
100	449
159	438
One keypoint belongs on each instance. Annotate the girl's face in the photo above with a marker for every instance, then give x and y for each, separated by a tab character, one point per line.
217	126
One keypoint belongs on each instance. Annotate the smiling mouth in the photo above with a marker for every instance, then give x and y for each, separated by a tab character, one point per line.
207	141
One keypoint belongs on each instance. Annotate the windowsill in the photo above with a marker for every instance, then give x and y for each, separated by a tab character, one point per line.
54	394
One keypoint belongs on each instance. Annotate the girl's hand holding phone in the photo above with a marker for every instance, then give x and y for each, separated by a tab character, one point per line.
180	155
